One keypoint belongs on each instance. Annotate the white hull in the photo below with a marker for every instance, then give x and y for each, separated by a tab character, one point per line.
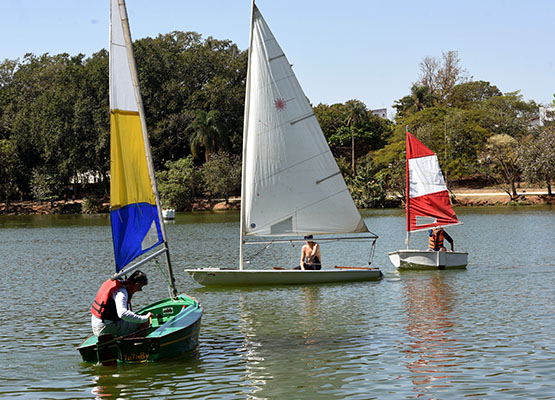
234	277
422	259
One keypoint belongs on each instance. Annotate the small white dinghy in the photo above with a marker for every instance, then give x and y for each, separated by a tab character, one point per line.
427	206
291	184
168	213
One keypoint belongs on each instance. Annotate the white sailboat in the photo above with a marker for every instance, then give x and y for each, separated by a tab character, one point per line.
291	184
427	206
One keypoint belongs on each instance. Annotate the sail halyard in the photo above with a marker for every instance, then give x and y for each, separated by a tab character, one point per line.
146	207
291	182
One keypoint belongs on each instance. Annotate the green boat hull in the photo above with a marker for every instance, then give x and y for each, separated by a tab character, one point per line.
175	330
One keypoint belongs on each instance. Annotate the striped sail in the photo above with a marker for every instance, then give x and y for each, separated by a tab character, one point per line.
291	182
428	203
134	214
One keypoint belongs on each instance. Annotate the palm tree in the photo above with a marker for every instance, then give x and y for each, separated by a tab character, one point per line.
207	133
356	114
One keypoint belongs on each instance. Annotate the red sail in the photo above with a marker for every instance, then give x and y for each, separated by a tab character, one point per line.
428	203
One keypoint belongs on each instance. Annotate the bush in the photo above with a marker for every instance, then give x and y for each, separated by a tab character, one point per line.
92	205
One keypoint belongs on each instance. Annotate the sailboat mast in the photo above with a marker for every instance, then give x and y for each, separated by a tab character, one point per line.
407	240
150	163
245	137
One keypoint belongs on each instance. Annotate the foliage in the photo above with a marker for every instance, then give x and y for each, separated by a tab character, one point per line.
177	183
91	205
537	157
368	188
222	175
500	161
8	169
471	94
45	186
343	122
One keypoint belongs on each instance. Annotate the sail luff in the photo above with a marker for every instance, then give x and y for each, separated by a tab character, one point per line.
245	139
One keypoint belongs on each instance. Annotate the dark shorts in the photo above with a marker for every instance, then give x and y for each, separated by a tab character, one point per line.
316	265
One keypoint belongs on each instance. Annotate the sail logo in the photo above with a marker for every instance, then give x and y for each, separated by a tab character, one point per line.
281	104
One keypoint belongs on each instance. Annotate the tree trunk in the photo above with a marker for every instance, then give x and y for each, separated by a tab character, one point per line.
549	192
514	194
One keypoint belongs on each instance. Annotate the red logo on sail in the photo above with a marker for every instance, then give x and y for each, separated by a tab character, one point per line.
281	104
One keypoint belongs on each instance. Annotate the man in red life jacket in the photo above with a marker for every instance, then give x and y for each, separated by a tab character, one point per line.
111	309
436	237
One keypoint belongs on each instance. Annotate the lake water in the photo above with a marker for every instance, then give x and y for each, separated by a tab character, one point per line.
485	332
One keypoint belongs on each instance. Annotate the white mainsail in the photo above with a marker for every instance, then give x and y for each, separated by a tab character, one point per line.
291	182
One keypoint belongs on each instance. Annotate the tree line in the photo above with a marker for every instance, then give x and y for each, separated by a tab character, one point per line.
54	126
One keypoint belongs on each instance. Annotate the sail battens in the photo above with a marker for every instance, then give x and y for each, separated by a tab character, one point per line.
328	177
275	57
302	118
288	168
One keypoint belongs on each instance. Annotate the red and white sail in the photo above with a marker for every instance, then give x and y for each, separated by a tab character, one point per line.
428	203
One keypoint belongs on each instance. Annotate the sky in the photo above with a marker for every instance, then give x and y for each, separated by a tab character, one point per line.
340	50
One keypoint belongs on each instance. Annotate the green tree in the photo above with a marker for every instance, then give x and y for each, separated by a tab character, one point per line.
420	97
8	168
537	157
207	134
500	161
45	186
508	115
177	183
222	175
472	94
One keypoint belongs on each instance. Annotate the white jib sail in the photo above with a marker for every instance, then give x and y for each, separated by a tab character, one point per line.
292	184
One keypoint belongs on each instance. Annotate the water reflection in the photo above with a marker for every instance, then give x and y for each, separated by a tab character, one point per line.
432	351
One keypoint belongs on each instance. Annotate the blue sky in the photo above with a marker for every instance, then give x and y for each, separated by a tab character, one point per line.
351	49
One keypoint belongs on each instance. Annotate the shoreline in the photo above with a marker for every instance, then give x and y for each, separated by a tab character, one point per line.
461	197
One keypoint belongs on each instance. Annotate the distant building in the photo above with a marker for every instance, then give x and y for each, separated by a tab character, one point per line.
547	113
380	112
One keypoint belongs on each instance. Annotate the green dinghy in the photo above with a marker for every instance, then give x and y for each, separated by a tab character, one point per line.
174	331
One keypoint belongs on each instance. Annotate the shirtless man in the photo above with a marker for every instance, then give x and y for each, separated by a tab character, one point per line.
310	255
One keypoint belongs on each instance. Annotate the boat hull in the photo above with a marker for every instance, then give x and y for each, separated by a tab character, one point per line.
174	333
234	277
428	260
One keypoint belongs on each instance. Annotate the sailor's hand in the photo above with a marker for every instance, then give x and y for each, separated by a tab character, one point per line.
149	315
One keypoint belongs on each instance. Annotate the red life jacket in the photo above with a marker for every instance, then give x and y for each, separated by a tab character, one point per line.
104	306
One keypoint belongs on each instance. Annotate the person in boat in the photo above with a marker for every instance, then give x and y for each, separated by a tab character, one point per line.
111	309
436	238
310	255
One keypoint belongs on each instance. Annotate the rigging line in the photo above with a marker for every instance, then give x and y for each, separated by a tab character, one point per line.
163	272
260	252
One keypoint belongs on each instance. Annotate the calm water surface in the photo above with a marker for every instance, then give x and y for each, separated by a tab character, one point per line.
486	332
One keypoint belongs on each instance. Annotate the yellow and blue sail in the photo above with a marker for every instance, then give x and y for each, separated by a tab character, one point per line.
134	214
